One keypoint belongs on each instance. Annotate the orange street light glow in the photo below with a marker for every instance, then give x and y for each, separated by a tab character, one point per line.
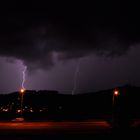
22	90
116	92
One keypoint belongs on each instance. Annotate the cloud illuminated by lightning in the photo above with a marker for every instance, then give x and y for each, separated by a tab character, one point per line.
23	77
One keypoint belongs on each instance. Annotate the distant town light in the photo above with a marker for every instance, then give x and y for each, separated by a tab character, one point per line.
31	110
5	110
26	107
40	110
19	110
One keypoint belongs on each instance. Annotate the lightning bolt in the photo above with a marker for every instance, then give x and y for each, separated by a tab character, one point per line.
23	77
75	77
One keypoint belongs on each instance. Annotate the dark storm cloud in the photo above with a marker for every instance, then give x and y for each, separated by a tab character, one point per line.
35	36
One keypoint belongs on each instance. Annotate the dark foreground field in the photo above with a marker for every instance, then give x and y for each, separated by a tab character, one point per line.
65	130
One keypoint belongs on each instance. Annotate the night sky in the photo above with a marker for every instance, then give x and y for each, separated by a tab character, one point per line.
97	44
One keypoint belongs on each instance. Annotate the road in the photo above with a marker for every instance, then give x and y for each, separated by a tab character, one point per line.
54	127
30	130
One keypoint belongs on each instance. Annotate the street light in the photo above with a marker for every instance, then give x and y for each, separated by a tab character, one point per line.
20	119
115	95
116	92
22	91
